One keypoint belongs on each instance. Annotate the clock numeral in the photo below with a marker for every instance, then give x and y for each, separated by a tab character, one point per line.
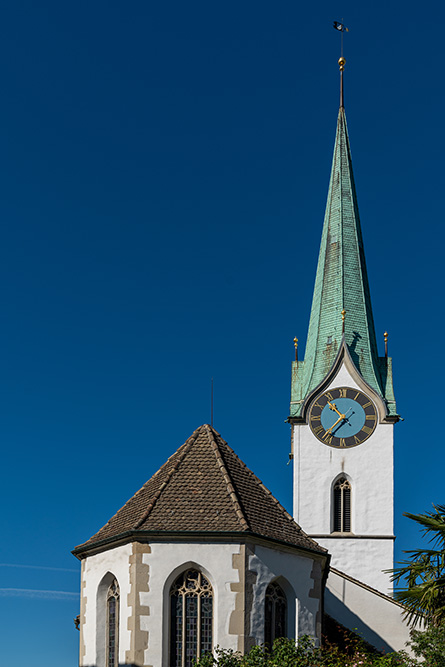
315	418
367	404
318	430
356	396
367	430
329	396
319	406
357	440
327	438
370	418
342	393
342	442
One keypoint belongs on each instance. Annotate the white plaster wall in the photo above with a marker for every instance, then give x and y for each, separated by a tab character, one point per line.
377	619
369	467
269	564
166	561
96	567
362	559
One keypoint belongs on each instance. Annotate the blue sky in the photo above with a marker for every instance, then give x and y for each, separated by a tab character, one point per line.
164	170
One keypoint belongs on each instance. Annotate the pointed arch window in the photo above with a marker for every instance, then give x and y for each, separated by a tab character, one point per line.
191	618
112	641
342	506
275	613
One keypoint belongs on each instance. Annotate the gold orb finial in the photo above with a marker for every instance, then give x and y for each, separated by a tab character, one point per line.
385	336
343	315
296	348
342	63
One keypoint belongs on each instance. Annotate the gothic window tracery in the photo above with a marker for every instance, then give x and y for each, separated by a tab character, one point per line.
342	506
275	613
191	616
112	641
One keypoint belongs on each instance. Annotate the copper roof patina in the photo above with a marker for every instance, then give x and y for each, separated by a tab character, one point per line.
204	488
341	284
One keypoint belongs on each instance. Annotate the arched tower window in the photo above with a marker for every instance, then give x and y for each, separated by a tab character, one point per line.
191	615
275	613
342	506
112	641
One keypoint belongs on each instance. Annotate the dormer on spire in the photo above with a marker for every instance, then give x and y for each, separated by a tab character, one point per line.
341	284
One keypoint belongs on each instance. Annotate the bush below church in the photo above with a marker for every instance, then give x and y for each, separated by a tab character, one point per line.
428	646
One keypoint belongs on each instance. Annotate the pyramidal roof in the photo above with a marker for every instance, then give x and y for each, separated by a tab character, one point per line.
341	284
204	488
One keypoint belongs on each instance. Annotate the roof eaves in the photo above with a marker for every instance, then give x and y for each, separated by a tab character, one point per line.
85	550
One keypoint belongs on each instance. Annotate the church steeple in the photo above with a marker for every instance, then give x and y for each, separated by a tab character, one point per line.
341	285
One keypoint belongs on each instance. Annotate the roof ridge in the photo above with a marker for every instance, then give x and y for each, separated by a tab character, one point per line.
266	490
186	447
226	476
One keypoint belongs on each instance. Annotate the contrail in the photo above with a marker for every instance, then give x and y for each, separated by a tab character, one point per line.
33	593
39	567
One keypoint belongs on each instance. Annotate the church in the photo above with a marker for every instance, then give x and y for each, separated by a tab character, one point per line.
204	555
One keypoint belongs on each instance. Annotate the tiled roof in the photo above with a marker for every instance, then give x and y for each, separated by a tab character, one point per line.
341	283
204	488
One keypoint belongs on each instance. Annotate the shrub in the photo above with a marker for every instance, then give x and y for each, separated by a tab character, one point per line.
287	653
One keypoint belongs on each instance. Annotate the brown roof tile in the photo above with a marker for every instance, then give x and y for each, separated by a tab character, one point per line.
205	487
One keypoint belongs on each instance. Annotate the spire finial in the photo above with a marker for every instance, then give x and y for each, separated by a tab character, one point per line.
296	348
385	336
340	26
341	64
343	316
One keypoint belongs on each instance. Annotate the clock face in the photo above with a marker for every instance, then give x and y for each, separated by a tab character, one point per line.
342	417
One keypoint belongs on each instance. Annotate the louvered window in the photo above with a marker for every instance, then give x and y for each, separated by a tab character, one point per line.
275	613
112	624
191	616
342	506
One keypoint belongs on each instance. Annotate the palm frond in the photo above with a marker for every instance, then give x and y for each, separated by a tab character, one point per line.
423	574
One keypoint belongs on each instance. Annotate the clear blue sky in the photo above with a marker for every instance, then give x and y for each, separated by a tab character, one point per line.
164	171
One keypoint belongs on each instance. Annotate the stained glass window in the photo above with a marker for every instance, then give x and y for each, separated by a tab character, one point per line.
342	506
191	612
113	624
274	613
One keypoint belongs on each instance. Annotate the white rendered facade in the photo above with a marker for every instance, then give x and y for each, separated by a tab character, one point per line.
378	618
368	548
239	575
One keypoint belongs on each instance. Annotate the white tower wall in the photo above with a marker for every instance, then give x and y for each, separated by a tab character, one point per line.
368	549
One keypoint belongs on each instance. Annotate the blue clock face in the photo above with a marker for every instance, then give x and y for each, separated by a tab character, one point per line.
343	417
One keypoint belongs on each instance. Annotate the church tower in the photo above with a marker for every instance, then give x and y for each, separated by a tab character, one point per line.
342	408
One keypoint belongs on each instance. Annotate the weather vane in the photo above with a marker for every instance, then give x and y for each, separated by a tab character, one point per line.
340	26
341	61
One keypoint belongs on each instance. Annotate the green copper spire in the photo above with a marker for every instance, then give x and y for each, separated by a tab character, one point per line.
341	284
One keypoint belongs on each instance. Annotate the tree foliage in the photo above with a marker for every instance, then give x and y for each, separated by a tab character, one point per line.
288	653
423	574
430	645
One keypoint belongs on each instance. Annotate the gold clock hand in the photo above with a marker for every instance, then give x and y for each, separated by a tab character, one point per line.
334	408
329	430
